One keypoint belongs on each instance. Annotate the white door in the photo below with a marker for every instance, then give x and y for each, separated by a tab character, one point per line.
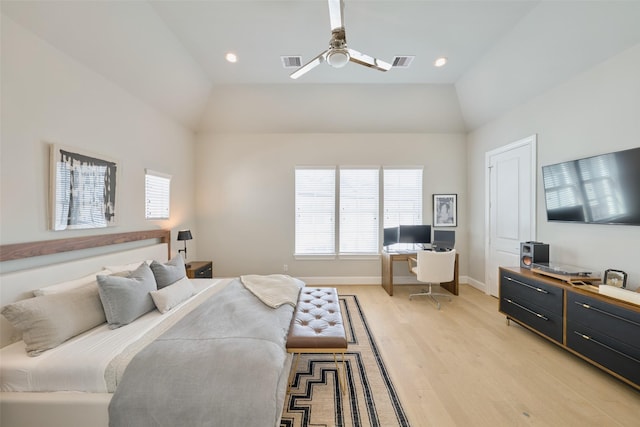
511	206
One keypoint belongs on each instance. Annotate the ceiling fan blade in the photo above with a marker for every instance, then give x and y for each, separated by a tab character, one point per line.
309	65
336	14
368	61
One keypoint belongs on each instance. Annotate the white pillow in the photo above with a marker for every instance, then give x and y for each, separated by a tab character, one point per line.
126	267
170	296
47	321
68	285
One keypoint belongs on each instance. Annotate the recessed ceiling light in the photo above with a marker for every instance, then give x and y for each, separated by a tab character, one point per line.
231	57
440	62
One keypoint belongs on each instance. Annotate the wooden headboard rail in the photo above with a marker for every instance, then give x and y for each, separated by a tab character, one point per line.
48	247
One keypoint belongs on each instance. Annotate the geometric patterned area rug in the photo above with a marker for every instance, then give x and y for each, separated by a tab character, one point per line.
369	398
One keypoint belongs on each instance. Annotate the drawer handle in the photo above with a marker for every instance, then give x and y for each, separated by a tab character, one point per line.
588	307
535	288
526	309
588	338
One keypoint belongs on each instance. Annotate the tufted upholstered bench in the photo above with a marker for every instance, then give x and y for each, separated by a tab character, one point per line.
316	327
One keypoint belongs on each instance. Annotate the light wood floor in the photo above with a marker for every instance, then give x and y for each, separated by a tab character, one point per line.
463	366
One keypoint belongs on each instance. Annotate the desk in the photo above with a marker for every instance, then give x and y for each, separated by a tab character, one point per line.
388	258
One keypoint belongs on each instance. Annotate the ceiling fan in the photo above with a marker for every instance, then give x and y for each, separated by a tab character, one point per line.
338	53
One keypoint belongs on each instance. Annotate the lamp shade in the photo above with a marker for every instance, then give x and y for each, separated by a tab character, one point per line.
184	235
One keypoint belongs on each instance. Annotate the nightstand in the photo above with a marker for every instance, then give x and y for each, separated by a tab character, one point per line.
200	270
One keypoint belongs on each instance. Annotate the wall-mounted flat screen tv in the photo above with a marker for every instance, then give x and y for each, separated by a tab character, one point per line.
602	189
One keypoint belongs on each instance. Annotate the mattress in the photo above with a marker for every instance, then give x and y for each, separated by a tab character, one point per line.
80	364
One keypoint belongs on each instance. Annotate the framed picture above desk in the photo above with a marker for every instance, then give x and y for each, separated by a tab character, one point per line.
388	258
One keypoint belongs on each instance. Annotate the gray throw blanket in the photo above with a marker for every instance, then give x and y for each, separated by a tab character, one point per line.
221	365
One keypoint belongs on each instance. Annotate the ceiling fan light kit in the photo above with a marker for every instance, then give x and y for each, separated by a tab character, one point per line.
338	54
338	58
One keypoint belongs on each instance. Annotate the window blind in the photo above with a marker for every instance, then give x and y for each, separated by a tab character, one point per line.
402	196
359	210
315	211
157	190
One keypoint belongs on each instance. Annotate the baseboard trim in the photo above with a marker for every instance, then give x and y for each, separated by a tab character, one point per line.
341	280
476	284
375	280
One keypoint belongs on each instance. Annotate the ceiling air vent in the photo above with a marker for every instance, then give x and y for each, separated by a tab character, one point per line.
291	61
402	61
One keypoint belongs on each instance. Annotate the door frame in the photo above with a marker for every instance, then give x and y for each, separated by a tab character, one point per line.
531	142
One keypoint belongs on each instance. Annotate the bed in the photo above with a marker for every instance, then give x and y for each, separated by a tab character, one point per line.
211	350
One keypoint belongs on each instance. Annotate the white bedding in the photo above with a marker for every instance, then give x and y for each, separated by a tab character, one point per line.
80	363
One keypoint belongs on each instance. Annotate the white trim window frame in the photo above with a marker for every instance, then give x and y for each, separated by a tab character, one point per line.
338	209
359	204
402	198
315	211
157	195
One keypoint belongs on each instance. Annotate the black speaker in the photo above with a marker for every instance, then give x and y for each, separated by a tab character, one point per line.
533	253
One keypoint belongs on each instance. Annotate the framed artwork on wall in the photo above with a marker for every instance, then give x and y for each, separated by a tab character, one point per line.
82	189
445	210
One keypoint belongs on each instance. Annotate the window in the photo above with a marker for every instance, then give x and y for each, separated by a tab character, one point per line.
315	211
402	199
359	210
358	204
402	196
157	195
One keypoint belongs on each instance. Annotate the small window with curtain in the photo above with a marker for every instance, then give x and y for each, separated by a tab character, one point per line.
157	190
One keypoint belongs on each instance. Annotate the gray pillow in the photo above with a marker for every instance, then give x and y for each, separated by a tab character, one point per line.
124	299
49	320
169	273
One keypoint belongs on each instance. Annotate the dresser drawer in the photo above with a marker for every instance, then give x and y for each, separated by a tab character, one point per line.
616	356
611	320
529	291
203	273
546	323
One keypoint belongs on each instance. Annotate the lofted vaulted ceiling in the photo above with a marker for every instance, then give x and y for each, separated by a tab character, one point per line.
171	55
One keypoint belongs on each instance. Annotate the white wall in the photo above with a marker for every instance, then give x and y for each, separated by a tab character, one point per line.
245	198
47	97
300	107
596	112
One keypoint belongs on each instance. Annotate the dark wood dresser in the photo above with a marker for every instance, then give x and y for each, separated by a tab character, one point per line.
602	330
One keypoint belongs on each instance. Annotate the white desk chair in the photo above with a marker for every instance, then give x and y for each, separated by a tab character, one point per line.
434	268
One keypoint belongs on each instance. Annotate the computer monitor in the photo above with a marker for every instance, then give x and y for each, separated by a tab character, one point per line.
415	234
443	240
391	236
